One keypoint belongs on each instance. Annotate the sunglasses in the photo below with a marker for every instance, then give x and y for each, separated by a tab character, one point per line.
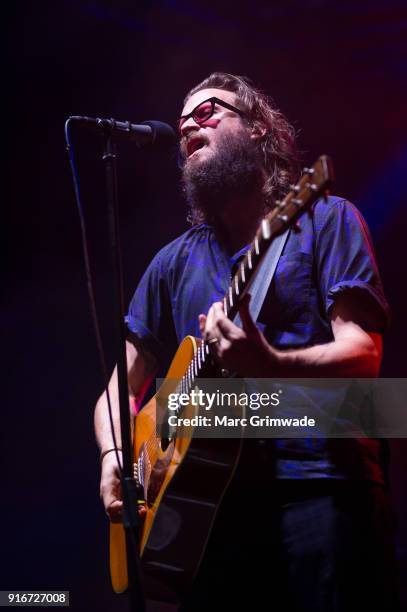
205	110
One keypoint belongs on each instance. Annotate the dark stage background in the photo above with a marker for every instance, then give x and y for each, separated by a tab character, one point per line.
337	69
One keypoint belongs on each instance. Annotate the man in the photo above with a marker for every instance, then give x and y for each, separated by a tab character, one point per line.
322	516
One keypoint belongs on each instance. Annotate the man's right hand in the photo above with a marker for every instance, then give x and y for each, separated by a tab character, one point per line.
141	367
110	488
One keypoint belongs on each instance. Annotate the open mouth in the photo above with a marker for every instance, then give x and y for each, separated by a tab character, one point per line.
194	145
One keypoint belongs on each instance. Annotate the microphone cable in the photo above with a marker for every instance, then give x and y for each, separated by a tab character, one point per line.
90	284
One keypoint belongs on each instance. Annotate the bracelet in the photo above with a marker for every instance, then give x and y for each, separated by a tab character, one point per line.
109	450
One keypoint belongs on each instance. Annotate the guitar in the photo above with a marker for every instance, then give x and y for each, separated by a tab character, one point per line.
184	478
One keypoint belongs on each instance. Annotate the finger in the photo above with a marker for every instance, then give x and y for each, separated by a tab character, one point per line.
220	320
248	324
210	324
202	323
218	310
227	329
115	511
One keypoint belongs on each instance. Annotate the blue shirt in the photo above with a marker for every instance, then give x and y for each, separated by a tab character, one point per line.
330	253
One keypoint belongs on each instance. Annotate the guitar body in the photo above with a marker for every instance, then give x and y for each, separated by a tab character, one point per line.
183	487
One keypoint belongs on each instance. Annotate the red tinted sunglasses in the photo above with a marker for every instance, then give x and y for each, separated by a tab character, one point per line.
205	110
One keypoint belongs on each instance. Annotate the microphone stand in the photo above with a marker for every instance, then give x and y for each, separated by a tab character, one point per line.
131	519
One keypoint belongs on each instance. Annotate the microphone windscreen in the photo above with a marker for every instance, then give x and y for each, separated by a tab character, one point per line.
163	134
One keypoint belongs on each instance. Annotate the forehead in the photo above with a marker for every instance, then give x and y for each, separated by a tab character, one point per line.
204	94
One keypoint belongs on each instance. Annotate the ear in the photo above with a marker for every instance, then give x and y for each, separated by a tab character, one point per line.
258	130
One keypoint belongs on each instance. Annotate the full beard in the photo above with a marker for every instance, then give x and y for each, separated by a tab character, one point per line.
234	172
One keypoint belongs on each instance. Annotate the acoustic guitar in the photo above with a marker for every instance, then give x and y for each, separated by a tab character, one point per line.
184	478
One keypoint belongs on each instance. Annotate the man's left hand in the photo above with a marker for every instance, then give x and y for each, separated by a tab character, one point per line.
241	350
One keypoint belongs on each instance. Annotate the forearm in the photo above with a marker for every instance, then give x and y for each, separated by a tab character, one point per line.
140	368
103	430
340	358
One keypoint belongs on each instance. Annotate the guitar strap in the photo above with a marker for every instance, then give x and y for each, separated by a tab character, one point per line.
262	280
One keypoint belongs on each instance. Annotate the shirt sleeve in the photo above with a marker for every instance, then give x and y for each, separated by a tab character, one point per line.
346	263
150	313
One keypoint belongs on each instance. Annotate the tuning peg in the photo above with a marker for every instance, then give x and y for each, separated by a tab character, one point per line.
308	170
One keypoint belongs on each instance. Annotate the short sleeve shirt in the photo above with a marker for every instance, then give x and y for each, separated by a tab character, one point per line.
329	253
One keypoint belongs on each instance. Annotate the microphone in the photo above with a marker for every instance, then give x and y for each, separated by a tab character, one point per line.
154	133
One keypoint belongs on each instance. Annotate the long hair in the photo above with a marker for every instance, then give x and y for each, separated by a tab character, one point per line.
278	146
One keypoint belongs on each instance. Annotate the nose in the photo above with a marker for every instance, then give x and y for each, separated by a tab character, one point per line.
188	126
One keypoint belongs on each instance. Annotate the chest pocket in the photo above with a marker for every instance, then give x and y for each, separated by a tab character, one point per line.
286	312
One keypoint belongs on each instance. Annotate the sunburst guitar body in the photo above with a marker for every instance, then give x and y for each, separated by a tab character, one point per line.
180	504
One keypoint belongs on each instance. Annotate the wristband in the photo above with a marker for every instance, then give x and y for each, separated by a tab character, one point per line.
109	450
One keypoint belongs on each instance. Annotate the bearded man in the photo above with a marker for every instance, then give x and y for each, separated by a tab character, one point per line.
321	538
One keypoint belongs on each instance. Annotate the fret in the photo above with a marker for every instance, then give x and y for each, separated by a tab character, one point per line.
225	305
265	229
198	353
242	273
256	246
249	259
231	297
237	285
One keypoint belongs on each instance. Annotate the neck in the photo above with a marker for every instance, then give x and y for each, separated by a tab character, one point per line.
238	222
